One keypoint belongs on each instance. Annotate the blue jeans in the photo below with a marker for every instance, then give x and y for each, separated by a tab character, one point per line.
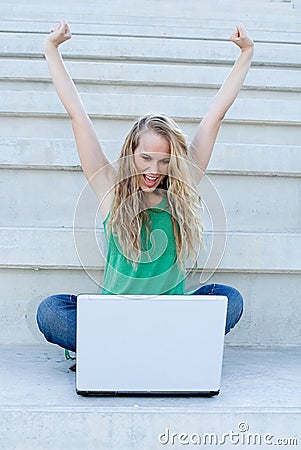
56	315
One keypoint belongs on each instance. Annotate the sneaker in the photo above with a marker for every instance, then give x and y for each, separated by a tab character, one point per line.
69	354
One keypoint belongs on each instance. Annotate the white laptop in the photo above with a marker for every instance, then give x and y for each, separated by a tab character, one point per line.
150	345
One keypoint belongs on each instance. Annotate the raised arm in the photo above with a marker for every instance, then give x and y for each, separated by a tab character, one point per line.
91	155
202	144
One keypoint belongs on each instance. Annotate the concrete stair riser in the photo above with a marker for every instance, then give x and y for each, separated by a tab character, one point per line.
129	106
54	247
53	154
136	431
160	49
158	91
24	289
237	132
201	31
47	198
151	9
258	24
129	75
271	301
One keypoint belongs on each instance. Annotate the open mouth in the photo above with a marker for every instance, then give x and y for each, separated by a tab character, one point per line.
149	180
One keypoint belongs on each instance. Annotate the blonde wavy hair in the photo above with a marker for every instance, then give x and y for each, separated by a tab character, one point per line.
129	209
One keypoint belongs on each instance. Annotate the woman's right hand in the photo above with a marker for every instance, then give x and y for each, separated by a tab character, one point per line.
59	33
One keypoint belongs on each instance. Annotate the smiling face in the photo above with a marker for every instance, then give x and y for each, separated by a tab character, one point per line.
151	158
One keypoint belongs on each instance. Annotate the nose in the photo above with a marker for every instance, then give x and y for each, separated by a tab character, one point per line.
154	167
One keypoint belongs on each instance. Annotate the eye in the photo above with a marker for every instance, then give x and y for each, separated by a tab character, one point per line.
147	158
165	161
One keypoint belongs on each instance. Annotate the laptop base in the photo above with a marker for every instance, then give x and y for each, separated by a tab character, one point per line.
147	394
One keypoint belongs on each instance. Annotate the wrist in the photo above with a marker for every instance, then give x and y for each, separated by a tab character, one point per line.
248	50
50	46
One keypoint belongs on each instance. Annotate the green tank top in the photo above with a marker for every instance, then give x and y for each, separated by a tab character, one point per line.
157	272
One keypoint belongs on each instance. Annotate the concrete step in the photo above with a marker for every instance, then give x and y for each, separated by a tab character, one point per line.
161	49
247	159
156	89
33	104
232	132
271	302
54	248
169	9
117	27
262	25
39	407
33	198
277	4
33	74
24	289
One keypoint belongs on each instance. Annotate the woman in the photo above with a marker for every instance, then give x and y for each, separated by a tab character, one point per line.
150	203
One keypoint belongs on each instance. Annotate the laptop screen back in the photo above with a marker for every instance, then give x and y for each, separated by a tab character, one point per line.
150	344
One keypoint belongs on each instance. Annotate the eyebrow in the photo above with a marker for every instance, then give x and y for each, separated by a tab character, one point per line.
148	154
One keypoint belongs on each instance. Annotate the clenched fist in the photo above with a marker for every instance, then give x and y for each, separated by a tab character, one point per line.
59	33
241	38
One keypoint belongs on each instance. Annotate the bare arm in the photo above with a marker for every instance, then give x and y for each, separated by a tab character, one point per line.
206	134
91	154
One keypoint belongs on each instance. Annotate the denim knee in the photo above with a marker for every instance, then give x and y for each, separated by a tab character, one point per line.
235	308
56	318
44	316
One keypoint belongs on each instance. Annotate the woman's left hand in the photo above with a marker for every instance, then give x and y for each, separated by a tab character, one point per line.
241	38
